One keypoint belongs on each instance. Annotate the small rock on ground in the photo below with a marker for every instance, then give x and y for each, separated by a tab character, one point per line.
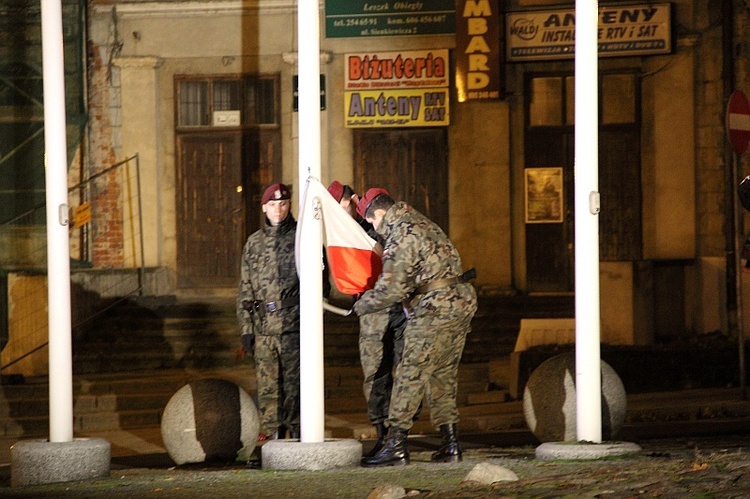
387	491
487	474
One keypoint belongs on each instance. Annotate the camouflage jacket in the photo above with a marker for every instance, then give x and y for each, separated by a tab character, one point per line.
269	274
416	252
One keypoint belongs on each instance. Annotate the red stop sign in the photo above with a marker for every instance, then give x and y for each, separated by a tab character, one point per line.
738	121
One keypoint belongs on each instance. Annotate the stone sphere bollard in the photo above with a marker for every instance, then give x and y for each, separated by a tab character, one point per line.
209	420
549	400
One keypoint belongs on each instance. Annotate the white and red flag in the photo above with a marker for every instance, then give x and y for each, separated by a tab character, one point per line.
353	260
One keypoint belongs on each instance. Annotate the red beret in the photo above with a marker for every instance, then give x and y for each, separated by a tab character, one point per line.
337	190
371	194
275	192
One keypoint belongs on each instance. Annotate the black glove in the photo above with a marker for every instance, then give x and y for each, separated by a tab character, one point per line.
248	343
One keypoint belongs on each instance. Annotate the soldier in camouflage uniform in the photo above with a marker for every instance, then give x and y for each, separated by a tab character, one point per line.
381	336
422	270
268	312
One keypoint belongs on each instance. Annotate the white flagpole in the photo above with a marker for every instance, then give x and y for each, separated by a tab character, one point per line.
312	417
58	251
588	361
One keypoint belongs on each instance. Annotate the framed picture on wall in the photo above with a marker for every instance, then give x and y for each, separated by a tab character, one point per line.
544	195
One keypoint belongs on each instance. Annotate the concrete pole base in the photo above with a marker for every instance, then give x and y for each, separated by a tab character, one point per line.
551	451
35	462
296	455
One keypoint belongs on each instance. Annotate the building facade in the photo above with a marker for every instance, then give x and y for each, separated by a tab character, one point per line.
204	94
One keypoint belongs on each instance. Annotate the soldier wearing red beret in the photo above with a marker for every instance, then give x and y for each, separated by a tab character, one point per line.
381	336
421	270
268	312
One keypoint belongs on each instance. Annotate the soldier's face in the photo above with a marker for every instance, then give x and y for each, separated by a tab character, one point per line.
376	219
350	205
277	210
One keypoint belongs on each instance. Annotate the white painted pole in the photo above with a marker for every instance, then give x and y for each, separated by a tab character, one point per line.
311	276
588	360
58	251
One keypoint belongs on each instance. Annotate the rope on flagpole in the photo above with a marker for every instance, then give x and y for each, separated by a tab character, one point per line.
336	310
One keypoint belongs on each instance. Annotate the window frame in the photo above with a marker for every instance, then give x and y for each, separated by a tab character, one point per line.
567	114
242	80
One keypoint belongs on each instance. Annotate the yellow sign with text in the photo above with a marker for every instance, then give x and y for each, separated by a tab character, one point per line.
397	108
81	215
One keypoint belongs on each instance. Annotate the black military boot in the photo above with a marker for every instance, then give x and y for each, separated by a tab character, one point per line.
393	452
382	435
450	452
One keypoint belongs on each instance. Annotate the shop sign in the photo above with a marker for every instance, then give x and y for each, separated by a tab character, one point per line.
397	89
397	108
478	50
363	18
632	30
391	70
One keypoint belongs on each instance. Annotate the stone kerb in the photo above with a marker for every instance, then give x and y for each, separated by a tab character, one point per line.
210	420
549	400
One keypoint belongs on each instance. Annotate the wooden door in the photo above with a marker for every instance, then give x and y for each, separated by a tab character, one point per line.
620	227
549	142
210	211
549	246
412	164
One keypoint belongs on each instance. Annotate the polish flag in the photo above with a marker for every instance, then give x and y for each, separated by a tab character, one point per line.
353	261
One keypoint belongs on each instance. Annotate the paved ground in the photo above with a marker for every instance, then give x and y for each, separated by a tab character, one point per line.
695	443
716	466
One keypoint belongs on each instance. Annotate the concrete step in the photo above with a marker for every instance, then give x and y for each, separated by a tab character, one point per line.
87	404
112	401
97	362
137	345
204	332
38	426
493	397
485	417
128	359
125	320
103	402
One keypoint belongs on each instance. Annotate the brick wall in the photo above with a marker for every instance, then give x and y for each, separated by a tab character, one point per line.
106	208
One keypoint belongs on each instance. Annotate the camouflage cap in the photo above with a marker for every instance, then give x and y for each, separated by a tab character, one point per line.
371	194
276	192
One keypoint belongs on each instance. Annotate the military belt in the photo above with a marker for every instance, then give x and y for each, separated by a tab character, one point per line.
273	306
260	308
448	281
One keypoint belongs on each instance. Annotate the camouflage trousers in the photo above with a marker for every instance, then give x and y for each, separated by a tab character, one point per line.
381	343
277	368
433	345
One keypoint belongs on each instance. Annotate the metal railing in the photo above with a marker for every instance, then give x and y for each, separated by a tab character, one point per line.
95	289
